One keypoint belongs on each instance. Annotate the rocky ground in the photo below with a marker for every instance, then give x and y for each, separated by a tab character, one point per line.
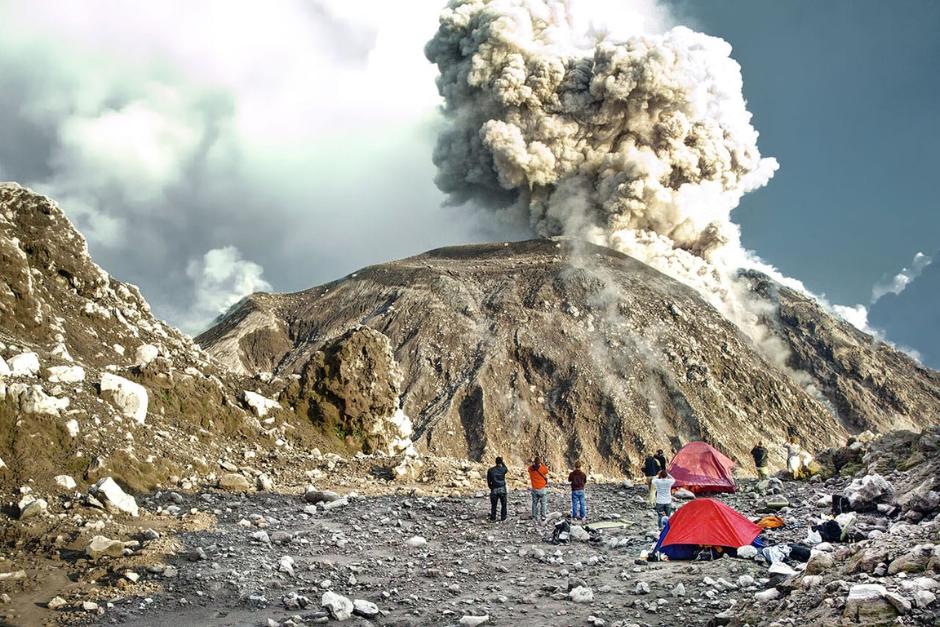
426	554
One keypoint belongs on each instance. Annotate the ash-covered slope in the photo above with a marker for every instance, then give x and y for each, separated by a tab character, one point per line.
574	350
92	385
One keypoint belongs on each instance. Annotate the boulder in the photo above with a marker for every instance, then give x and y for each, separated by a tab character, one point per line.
469	620
776	503
65	374
129	397
339	607
748	552
581	594
914	561
415	542
71	426
65	482
31	507
144	354
101	546
579	533
867	603
320	496
4	368
819	563
234	482
24	365
113	497
866	492
33	400
265	483
767	595
366	609
260	405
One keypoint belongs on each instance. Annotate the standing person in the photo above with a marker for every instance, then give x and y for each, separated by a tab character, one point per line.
759	453
650	469
578	480
496	480
794	461
662	484
660	460
538	479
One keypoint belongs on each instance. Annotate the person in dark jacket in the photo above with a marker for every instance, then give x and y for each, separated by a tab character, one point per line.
661	460
759	453
496	481
578	480
650	470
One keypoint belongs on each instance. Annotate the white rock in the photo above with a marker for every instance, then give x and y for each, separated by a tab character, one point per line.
581	594
56	603
131	398
747	552
65	374
415	541
265	483
642	588
2	463
339	607
745	580
286	565
865	492
366	609
31	507
767	595
33	400
114	498
579	533
471	621
4	368
924	598
102	546
65	482
861	595
72	427
89	606
145	353
259	404
24	365
679	590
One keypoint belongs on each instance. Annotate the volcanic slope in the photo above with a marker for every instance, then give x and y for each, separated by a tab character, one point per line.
578	351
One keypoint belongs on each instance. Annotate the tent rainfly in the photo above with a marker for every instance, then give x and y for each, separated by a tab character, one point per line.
701	469
705	523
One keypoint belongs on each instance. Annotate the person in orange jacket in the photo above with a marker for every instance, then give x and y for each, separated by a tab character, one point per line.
538	478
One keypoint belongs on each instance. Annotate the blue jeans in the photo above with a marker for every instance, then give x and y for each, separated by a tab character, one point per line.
578	504
539	503
663	509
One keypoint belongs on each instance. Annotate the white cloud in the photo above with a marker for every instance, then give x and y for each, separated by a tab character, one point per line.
899	282
857	316
221	278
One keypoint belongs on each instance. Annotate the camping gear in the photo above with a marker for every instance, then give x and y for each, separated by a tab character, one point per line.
702	469
606	524
840	505
800	553
770	522
705	523
561	534
829	531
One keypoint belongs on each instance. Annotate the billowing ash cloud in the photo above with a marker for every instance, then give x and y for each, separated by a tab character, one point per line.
642	143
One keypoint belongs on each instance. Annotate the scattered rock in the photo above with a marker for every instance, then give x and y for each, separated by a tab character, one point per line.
56	603
100	546
581	594
366	609
131	398
65	482
234	482
65	374
114	498
339	607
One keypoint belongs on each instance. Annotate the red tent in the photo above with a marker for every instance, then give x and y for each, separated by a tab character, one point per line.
700	468
708	522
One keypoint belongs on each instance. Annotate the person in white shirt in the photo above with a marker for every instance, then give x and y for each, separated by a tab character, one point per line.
663	485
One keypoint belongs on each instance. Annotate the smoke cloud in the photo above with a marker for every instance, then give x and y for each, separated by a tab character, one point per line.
902	279
641	143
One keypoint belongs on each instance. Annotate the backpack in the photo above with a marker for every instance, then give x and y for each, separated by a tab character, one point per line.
829	531
799	553
561	533
840	505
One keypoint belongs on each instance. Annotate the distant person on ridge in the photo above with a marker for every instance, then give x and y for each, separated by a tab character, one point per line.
496	480
759	453
650	470
662	484
660	459
578	480
538	478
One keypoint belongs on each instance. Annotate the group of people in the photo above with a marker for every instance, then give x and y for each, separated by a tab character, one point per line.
538	481
658	480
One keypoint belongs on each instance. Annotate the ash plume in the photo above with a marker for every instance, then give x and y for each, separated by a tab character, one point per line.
642	143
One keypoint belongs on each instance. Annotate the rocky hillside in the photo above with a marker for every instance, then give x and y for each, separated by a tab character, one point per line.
92	385
579	351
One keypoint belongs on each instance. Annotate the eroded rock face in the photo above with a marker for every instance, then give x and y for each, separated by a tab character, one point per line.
576	351
352	386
